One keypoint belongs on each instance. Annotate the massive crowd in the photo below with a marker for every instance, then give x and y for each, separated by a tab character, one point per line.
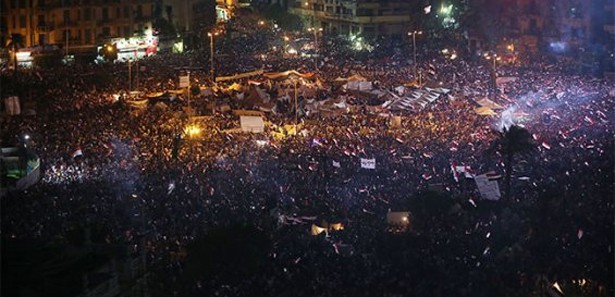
134	178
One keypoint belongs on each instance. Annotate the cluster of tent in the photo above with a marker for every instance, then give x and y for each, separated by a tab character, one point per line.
291	85
413	99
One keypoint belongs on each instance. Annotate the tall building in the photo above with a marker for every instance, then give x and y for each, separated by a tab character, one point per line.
607	38
75	25
186	14
365	17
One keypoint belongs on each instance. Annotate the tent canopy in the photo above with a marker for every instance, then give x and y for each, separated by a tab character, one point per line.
398	218
485	111
484	102
288	73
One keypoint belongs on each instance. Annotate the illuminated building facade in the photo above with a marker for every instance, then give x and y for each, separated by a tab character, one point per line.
75	25
560	24
356	17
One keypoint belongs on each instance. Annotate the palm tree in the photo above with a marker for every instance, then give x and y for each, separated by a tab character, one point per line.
15	42
511	142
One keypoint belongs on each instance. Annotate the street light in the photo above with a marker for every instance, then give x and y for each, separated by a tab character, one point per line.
295	80
316	31
129	75
493	57
413	34
296	107
211	51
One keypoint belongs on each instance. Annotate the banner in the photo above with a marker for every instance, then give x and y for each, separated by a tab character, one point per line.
368	163
12	106
240	75
184	81
286	74
488	189
252	124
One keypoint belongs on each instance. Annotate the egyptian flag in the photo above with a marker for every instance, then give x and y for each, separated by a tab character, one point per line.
77	153
432	69
492	175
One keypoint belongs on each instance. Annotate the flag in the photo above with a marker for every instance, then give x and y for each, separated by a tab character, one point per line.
465	169
170	188
336	164
427	9
580	233
317	142
589	120
78	152
492	175
556	290
432	69
455	175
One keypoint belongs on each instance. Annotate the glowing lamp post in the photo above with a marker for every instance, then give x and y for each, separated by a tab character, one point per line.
129	75
413	34
494	58
211	56
316	31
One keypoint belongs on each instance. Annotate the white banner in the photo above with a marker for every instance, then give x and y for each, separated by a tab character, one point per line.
488	189
184	81
368	163
12	106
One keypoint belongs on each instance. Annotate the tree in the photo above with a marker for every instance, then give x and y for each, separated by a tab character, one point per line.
15	43
165	28
48	61
511	142
281	17
206	10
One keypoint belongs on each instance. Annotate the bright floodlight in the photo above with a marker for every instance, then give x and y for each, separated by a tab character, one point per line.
192	131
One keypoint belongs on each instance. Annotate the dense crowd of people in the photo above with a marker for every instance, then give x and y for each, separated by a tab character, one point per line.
139	174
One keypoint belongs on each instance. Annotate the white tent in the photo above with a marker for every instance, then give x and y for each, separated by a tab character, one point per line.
398	218
252	124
